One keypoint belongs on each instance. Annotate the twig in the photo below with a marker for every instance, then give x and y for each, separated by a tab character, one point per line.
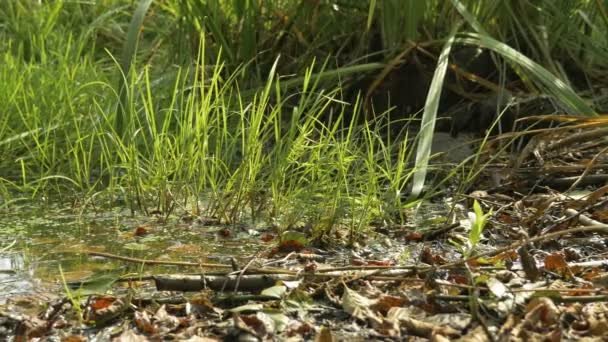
578	137
433	234
513	246
584	219
571	217
588	168
156	262
558	299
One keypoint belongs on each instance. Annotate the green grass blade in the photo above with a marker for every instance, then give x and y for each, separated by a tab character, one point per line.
550	83
429	117
128	55
370	14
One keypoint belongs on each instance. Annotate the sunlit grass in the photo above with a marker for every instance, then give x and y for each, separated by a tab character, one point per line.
228	111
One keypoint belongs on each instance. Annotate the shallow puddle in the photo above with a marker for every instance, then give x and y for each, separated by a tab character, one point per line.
42	247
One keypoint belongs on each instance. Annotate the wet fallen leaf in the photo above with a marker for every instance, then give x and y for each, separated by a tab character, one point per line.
142	230
102	302
266	237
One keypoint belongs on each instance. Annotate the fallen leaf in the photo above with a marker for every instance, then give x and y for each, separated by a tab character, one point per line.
325	335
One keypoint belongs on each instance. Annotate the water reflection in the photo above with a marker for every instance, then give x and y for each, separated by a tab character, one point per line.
49	238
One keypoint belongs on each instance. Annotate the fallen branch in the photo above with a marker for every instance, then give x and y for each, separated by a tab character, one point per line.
253	283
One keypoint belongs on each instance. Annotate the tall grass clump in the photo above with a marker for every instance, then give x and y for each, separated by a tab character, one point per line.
221	108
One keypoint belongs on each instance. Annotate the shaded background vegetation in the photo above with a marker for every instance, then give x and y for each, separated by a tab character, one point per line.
271	106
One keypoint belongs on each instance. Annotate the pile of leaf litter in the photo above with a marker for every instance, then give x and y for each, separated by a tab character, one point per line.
524	259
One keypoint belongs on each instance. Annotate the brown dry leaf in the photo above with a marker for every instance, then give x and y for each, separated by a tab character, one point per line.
302	329
130	336
201	339
106	313
600	215
102	302
388	328
201	304
596	315
164	322
417	327
385	303
541	312
143	323
475	335
358	306
528	263
556	262
251	324
325	335
598	279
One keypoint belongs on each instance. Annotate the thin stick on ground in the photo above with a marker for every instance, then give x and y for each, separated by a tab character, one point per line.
597	228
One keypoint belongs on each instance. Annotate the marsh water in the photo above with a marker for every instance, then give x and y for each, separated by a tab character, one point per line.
43	245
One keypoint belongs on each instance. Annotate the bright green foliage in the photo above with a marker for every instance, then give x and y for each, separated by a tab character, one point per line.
222	107
478	223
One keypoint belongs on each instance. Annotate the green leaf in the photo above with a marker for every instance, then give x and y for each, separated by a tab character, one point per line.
93	285
277	291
